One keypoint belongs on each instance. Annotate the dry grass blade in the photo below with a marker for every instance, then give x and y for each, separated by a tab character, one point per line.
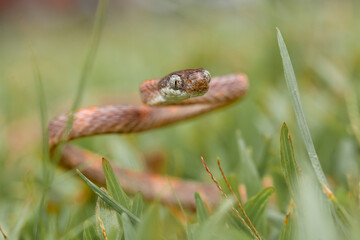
238	201
224	194
213	178
2	232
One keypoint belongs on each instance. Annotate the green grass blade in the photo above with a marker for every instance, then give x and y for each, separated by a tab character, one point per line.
264	157
46	169
213	227
299	112
90	58
108	199
255	206
313	216
149	228
20	222
48	175
89	231
344	219
288	231
289	166
234	183
129	230
201	211
89	61
188	229
282	188
43	114
113	185
109	219
137	205
75	231
338	212
249	173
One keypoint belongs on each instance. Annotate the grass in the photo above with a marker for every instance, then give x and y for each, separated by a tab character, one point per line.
299	112
138	44
48	171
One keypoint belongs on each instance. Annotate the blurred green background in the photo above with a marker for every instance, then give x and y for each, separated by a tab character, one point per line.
148	39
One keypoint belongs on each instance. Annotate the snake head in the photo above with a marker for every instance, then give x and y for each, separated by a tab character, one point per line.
184	84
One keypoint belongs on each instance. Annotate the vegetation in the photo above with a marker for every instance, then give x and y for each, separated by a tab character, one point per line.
305	186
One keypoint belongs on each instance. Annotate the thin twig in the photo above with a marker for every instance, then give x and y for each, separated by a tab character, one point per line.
237	200
224	194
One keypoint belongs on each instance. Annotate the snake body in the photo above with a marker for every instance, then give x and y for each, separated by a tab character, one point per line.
177	96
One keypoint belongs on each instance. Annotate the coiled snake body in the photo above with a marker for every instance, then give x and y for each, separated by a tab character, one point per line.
178	96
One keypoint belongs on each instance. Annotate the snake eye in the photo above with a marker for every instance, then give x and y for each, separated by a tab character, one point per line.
175	82
207	75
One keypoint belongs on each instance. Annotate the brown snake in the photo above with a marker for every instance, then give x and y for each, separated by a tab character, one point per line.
190	93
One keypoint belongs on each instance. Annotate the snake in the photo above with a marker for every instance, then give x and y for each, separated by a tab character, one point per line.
178	96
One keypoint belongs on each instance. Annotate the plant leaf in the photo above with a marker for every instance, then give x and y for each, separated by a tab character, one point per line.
344	217
213	227
89	231
108	199
109	219
282	188
264	157
289	166
304	129
137	205
90	57
255	206
129	230
299	112
113	185
234	183
249	173
288	231
149	227
201	211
